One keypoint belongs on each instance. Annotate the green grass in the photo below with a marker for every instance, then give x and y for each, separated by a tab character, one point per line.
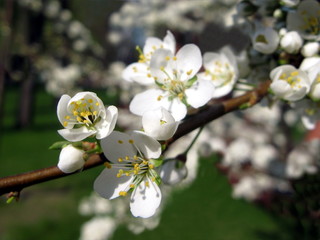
50	210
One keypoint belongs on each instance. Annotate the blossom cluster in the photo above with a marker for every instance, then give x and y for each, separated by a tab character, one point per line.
285	38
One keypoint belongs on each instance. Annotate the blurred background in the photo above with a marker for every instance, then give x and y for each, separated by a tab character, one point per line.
49	48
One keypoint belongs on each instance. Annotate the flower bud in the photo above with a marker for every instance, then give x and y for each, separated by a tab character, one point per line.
310	49
70	159
291	42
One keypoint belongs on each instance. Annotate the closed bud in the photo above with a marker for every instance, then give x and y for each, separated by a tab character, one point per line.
71	159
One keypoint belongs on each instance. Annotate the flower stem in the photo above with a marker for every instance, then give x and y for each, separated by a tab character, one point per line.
194	140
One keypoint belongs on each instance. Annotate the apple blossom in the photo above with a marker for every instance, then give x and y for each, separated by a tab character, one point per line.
84	115
176	83
71	159
305	20
140	71
289	83
222	69
131	169
159	124
265	40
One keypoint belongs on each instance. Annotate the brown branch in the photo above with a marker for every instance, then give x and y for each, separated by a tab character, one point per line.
18	182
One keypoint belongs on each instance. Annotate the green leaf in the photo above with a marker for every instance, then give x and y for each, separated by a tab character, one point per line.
10	199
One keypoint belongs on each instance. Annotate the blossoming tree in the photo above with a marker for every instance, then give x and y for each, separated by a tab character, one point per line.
273	83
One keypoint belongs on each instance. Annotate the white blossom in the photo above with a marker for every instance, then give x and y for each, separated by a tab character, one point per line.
71	159
291	42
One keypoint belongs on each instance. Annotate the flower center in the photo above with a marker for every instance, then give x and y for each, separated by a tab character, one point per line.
292	79
222	74
136	166
84	112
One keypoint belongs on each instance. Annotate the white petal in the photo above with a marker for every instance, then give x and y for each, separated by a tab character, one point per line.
280	88
146	101
154	127
145	200
76	134
62	109
70	159
151	44
169	42
108	185
106	126
159	62
177	109
172	174
188	59
149	147
200	93
137	72
309	122
117	145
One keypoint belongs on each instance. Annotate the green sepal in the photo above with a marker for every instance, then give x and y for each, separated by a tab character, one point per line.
156	162
59	145
191	81
155	175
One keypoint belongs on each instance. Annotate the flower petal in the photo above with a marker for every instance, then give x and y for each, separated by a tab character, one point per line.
117	145
145	200
147	145
189	61
62	110
76	134
137	72
108	185
105	126
200	93
146	101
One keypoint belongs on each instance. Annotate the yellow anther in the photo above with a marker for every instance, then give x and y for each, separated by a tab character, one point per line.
127	174
120	160
181	95
149	75
159	97
167	58
78	102
119	174
135	69
145	162
283	76
67	117
189	72
83	114
162	122
65	123
131	141
127	158
151	166
107	165
155	78
153	179
174	58
75	113
97	104
147	184
123	193
79	119
294	74
132	185
135	172
154	47
119	141
95	113
86	121
90	100
136	166
135	157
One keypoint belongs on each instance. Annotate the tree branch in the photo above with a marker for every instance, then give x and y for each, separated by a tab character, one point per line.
14	184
